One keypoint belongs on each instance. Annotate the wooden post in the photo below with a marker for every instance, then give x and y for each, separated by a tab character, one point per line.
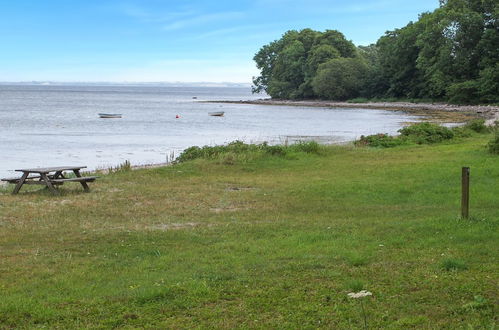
465	192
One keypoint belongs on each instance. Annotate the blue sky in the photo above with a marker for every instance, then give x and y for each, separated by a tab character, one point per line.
160	40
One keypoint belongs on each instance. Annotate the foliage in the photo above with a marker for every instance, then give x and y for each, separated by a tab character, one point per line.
340	78
426	133
289	65
230	151
477	125
449	54
379	140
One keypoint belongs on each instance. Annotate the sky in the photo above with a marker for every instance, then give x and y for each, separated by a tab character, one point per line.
172	41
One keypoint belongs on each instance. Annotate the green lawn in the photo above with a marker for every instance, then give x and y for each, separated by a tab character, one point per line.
261	242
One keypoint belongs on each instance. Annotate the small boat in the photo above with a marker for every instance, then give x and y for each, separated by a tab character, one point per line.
110	115
216	113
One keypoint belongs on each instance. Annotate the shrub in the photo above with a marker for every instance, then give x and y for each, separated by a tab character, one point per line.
477	125
426	133
310	147
493	144
379	140
276	150
240	151
462	131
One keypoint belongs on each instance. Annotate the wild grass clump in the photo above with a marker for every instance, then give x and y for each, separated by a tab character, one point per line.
453	265
233	151
379	140
493	145
426	133
310	147
355	285
123	167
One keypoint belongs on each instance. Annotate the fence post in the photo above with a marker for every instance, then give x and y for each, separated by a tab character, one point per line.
465	192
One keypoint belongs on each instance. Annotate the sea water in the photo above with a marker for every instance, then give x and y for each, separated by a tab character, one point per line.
59	125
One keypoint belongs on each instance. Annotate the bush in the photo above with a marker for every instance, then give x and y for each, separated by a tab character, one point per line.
493	145
239	150
379	140
477	125
426	133
310	147
462	132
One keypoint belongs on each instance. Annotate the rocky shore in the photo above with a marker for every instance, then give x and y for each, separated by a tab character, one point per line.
488	112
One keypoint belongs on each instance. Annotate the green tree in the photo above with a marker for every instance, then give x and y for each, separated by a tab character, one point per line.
340	78
288	65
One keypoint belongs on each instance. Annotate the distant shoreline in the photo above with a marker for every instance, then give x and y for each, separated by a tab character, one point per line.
442	111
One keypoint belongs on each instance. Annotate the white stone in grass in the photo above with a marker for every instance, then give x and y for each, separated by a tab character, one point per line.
359	294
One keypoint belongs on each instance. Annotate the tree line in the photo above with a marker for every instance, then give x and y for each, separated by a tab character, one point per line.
450	54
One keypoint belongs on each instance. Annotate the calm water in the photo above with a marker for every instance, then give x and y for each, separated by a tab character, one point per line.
59	125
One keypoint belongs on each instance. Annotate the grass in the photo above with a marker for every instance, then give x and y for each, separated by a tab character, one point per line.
261	242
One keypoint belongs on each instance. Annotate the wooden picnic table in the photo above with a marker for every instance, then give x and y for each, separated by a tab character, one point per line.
50	177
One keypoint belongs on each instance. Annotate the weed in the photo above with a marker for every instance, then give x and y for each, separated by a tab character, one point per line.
310	147
123	167
493	145
478	302
453	265
355	285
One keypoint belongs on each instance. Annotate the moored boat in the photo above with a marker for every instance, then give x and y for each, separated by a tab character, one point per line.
110	115
216	113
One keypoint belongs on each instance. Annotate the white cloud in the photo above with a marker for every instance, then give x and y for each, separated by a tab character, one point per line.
202	19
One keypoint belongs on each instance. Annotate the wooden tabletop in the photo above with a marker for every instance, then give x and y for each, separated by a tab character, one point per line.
50	169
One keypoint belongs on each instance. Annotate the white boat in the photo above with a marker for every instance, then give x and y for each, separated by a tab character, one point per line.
110	115
216	113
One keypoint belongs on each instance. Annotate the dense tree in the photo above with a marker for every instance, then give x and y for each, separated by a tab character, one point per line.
449	54
340	78
288	65
459	49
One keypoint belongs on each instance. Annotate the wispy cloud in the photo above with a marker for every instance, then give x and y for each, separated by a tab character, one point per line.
144	14
232	30
202	19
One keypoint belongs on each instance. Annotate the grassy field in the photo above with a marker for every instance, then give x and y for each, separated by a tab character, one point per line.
261	242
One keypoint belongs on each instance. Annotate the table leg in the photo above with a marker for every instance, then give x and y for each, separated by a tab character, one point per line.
84	184
20	183
59	175
48	183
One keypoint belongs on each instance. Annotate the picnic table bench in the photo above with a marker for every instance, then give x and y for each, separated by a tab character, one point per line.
50	177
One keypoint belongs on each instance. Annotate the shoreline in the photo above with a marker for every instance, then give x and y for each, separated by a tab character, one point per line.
440	111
